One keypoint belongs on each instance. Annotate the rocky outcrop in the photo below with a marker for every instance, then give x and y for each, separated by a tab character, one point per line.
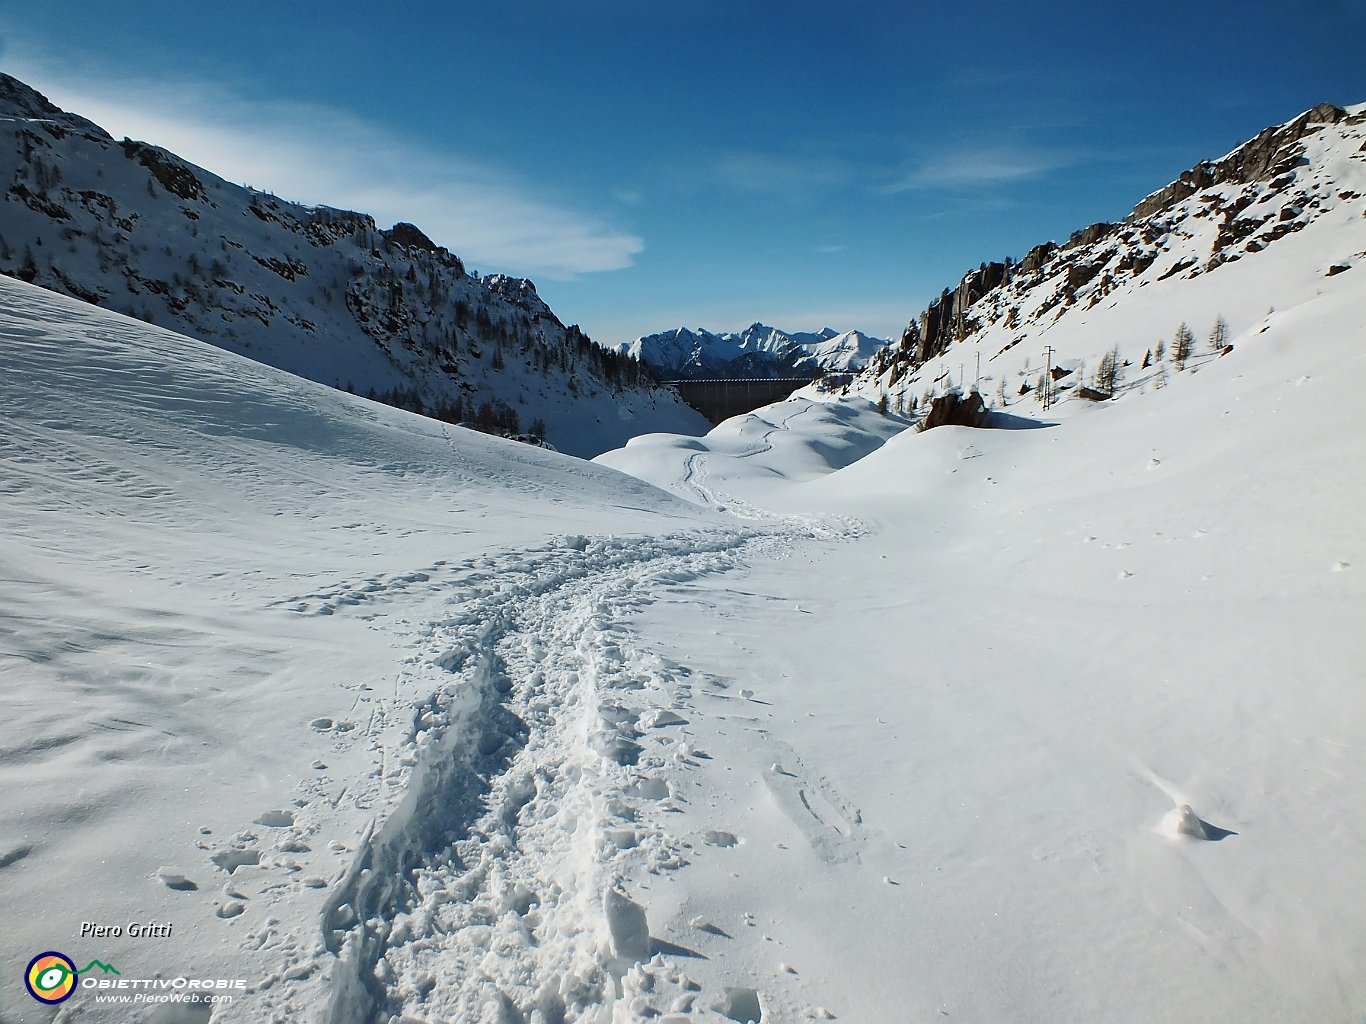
410	236
946	320
1035	259
1263	158
173	173
1089	235
955	410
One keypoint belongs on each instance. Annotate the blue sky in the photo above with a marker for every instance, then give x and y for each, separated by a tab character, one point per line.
709	163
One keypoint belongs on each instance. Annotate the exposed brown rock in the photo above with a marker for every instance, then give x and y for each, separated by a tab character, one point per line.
953	409
1261	159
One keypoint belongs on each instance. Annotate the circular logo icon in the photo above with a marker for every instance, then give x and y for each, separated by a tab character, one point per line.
51	977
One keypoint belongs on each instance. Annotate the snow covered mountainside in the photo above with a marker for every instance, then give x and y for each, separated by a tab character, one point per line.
319	292
757	351
1220	250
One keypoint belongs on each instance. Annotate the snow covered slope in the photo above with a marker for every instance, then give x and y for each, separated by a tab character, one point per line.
757	351
948	758
1264	228
319	292
247	619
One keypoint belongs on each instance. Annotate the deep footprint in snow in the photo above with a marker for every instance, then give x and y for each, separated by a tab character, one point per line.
660	718
233	858
173	879
646	788
742	1004
716	837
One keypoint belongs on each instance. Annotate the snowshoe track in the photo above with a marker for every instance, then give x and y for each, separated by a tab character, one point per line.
483	890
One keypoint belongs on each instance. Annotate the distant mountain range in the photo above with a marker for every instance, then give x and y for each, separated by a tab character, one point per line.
322	293
759	351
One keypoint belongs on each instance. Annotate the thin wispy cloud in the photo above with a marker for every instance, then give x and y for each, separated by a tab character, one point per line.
994	164
322	155
783	175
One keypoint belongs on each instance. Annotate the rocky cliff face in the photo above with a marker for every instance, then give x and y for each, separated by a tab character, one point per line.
1271	154
322	293
1215	214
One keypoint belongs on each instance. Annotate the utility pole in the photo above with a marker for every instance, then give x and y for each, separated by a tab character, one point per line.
978	382
1047	376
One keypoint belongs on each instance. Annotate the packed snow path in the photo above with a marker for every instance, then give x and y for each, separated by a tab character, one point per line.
535	780
532	790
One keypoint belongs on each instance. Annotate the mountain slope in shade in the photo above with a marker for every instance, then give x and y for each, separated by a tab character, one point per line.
319	292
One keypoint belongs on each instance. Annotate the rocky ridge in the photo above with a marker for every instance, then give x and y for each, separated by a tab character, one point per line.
1215	214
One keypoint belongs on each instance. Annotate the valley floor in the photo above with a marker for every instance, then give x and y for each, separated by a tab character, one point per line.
832	722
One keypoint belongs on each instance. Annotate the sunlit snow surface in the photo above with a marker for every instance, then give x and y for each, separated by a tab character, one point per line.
403	722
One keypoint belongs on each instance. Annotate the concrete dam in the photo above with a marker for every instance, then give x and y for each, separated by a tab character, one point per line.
718	400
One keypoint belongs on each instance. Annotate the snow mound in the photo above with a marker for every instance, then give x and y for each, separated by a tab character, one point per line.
751	458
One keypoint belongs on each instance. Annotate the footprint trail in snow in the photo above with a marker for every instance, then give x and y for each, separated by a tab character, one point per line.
535	795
